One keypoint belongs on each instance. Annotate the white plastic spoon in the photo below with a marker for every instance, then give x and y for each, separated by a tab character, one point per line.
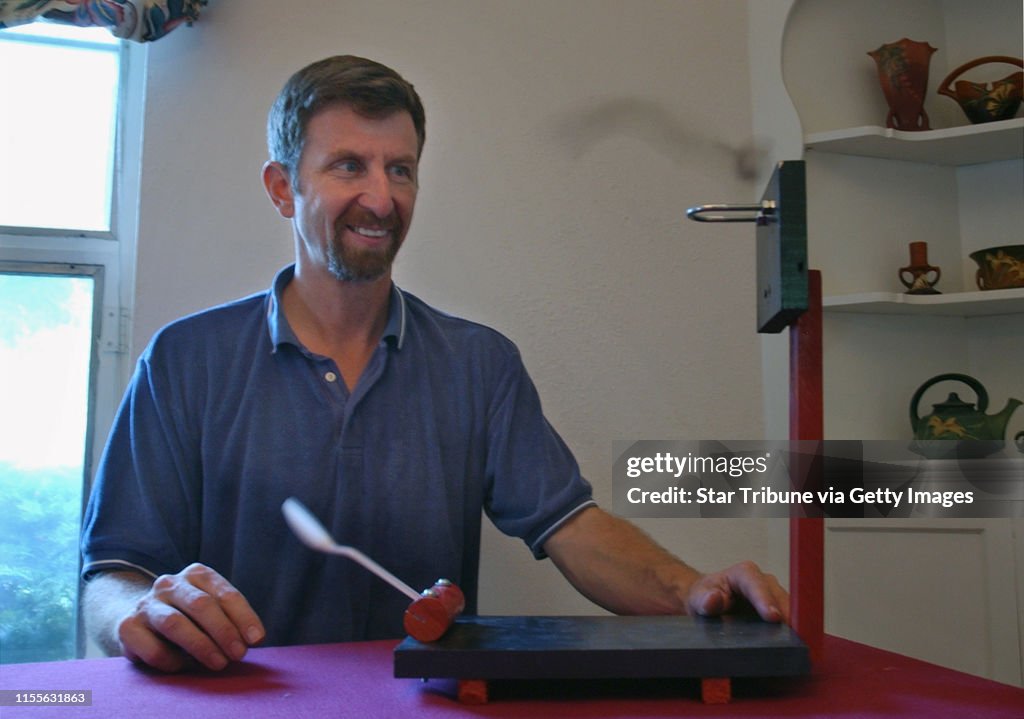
313	535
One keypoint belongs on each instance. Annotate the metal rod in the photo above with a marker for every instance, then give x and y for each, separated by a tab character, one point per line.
761	213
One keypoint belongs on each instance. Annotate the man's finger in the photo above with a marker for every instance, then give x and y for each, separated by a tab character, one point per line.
169	618
718	593
140	644
761	590
238	611
712	602
202	625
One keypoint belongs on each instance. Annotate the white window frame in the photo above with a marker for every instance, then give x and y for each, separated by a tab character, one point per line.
109	256
114	251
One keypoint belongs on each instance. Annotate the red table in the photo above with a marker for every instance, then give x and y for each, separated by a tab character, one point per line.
355	680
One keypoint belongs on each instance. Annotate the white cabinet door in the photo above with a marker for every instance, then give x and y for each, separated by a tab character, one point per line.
945	591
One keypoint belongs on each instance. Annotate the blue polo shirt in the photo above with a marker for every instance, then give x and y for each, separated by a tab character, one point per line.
228	415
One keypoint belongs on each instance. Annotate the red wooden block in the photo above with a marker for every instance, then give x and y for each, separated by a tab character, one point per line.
473	691
716	690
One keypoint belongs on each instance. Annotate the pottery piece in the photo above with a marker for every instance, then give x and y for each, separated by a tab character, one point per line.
986	102
955	427
999	268
916	276
903	74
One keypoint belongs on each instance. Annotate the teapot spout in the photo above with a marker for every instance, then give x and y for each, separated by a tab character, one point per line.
997	422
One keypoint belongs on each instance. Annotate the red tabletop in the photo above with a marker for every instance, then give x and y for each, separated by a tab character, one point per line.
355	680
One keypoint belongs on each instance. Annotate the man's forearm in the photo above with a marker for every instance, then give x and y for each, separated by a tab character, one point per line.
617	566
107	599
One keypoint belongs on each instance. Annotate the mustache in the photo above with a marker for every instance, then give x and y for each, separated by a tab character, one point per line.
362	218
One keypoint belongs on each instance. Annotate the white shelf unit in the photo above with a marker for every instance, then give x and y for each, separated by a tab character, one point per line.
955	146
871	191
958	304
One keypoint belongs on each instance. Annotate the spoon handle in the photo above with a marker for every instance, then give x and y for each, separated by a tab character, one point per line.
313	534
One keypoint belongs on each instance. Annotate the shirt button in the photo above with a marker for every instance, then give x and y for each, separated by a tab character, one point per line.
331	377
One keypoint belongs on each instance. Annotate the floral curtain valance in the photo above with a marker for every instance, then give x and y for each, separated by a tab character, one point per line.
140	20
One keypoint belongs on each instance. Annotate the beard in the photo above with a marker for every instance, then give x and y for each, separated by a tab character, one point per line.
363	264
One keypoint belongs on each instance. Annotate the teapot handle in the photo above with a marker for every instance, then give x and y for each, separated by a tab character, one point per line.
966	379
944	86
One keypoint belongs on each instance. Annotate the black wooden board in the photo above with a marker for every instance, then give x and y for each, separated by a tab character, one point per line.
605	647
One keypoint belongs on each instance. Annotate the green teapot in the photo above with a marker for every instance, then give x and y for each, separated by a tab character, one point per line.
979	434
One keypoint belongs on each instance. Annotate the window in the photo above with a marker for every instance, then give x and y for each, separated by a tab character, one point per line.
59	142
70	140
46	340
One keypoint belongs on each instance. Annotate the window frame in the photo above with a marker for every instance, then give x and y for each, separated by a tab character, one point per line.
110	255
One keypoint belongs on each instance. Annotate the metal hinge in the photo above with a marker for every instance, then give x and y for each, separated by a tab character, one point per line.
114	330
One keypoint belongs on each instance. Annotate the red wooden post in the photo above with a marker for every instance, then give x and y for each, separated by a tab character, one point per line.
806	422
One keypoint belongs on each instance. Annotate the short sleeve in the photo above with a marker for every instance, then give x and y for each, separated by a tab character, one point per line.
142	510
534	481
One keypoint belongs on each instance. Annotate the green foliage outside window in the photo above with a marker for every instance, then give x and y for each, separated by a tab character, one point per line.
38	563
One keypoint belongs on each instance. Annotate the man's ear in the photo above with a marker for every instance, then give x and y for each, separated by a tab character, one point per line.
278	184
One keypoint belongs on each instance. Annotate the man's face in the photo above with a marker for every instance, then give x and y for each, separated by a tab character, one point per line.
355	191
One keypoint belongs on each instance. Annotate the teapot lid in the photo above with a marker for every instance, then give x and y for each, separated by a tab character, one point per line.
953	402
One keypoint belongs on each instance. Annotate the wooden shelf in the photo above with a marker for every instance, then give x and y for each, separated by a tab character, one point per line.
955	146
955	304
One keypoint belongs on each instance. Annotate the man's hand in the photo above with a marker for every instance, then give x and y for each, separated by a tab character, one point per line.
741	584
195	615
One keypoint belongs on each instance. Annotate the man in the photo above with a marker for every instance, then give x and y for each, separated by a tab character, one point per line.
396	424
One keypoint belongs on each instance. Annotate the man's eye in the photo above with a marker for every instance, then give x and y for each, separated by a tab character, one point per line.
348	166
402	171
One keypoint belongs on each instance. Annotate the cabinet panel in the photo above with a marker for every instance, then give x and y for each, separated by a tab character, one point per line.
938	591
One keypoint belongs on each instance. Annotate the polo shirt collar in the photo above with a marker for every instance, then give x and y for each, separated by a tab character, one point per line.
281	332
394	330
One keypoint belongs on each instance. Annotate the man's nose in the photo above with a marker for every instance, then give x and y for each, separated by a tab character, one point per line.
376	195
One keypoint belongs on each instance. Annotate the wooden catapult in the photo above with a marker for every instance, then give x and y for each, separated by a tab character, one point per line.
476	650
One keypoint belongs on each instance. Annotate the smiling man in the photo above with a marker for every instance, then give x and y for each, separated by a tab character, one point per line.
350	201
399	425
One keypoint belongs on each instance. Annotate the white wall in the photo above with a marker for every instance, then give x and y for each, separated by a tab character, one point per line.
563	228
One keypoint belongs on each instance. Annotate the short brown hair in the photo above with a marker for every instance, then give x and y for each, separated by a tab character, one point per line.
370	88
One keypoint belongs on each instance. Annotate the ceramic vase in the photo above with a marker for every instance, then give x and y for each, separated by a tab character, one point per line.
903	75
983	101
919	277
999	268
